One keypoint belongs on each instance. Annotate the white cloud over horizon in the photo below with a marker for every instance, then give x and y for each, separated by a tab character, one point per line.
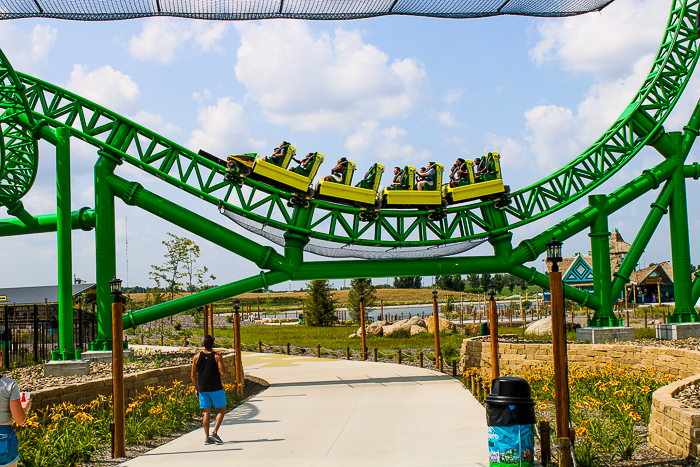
312	82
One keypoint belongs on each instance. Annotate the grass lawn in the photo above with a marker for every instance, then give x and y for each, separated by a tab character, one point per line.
335	337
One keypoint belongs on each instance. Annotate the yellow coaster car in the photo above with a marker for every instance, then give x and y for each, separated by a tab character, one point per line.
365	192
276	174
405	195
486	185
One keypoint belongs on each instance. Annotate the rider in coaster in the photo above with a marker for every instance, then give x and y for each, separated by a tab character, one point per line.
459	173
481	167
398	179
304	164
278	155
338	171
427	177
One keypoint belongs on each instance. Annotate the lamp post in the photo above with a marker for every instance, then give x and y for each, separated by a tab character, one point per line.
362	325
436	322
237	339
118	426
561	377
493	331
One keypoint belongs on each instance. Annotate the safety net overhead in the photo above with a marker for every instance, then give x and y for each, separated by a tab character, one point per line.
104	10
348	250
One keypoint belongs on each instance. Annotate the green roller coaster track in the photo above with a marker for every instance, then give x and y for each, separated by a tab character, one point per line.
36	109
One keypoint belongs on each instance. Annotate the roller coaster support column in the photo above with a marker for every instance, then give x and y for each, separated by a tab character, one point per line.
658	209
600	248
105	241
678	221
66	350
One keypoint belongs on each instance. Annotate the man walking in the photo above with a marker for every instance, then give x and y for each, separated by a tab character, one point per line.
207	371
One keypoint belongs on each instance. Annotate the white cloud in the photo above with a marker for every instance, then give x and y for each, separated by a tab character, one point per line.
155	123
557	134
508	147
223	130
452	96
162	39
606	43
313	82
370	142
105	86
445	118
27	50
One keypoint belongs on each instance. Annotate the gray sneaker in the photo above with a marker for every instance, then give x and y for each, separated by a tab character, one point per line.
216	438
210	440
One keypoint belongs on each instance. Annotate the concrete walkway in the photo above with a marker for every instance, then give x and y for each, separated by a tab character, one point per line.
323	412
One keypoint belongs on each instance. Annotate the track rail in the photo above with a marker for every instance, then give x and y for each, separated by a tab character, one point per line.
639	124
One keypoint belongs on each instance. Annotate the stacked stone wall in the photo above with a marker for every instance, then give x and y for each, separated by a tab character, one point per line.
672	429
83	393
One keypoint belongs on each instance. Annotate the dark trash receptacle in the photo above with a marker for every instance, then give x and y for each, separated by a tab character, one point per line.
510	416
485	329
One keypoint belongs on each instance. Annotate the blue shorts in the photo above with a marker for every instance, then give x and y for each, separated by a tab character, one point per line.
9	447
217	398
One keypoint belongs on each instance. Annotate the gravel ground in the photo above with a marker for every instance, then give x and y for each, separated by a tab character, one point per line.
31	379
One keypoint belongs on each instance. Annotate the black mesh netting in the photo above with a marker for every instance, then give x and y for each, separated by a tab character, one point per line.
100	10
348	250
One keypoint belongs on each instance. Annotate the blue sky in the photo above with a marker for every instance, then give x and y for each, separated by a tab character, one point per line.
391	90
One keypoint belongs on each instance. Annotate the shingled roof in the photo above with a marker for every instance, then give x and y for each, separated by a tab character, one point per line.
38	295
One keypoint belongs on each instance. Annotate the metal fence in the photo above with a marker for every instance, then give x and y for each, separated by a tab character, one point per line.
29	333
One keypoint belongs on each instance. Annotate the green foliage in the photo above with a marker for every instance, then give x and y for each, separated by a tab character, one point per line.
319	305
411	282
177	325
450	352
358	286
498	282
485	281
454	283
473	280
71	435
180	263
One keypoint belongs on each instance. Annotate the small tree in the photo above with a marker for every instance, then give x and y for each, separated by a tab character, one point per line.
485	281
171	272
370	296
449	306
410	282
319	306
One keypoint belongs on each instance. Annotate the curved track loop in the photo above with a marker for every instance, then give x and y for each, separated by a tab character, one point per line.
183	168
19	156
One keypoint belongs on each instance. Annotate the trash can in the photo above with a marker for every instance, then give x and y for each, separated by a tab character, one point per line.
510	416
485	329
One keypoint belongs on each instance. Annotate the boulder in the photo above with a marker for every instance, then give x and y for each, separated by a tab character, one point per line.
374	329
396	327
415	329
352	335
445	325
540	327
416	321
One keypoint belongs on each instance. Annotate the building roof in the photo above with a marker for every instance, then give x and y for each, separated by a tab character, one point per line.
617	245
640	276
39	294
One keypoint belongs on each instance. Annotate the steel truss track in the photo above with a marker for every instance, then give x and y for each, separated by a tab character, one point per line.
639	125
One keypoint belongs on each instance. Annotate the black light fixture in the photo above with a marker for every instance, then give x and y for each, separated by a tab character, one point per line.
435	295
554	253
362	296
491	290
115	287
236	305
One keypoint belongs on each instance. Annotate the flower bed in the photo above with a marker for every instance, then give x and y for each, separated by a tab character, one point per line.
68	434
610	407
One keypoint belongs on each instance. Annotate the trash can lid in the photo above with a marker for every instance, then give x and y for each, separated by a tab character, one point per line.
510	390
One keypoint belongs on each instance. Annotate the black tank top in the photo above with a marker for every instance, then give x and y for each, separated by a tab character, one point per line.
208	377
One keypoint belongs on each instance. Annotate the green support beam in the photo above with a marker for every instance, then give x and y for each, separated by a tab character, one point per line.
222	292
658	210
66	349
531	276
695	294
134	194
600	249
83	219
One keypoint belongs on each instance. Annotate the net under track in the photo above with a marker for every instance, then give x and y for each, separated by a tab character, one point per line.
231	10
343	250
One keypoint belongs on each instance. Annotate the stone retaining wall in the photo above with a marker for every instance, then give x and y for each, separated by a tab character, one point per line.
672	429
83	393
677	362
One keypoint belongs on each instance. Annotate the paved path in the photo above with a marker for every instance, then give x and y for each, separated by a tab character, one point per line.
323	412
